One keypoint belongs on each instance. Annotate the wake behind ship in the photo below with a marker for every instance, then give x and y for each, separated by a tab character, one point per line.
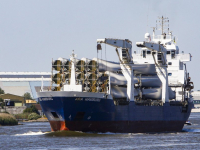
148	91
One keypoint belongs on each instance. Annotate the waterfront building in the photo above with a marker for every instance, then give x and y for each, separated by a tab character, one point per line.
13	100
196	98
14	104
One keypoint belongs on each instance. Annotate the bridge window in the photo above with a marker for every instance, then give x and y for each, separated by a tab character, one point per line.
168	52
173	54
123	53
144	54
169	74
159	57
169	63
148	52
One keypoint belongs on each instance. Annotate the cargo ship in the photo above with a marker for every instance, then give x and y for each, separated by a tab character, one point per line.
148	90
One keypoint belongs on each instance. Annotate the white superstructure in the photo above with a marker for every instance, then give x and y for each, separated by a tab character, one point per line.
178	78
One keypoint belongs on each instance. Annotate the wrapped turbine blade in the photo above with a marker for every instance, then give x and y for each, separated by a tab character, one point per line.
86	88
67	76
57	65
92	66
107	65
157	95
154	93
92	76
57	78
147	81
57	88
80	65
67	65
115	66
150	81
80	76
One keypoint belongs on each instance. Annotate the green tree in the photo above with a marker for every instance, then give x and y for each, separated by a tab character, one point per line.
27	95
1	103
33	116
2	91
31	109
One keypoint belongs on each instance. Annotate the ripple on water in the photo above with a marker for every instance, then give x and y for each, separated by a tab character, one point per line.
31	133
191	130
38	136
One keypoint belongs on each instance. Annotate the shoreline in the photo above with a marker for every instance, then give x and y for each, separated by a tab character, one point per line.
38	120
7	120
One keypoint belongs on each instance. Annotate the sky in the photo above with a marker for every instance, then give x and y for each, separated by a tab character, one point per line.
34	32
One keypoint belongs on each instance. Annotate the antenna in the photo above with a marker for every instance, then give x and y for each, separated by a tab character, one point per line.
147	19
42	88
156	25
168	26
147	24
153	32
162	21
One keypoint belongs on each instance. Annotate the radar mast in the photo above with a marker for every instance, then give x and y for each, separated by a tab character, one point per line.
162	23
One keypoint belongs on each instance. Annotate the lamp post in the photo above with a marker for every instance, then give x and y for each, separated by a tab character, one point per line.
6	100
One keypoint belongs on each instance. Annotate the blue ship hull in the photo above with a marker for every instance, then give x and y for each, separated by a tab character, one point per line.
95	114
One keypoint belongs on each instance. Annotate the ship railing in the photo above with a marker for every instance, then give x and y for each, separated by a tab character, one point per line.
149	102
175	85
160	37
178	103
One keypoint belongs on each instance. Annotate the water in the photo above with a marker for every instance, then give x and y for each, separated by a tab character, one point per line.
37	135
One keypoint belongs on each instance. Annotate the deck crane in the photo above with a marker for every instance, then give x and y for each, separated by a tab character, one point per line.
160	64
126	62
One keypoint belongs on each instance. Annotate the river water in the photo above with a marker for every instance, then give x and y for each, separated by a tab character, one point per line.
37	135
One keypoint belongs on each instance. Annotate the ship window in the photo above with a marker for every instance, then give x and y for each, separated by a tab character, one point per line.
173	54
124	53
148	52
54	114
144	54
159	57
169	74
180	92
169	63
168	52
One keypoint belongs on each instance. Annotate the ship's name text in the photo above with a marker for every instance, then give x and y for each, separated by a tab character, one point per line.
93	99
46	99
78	99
